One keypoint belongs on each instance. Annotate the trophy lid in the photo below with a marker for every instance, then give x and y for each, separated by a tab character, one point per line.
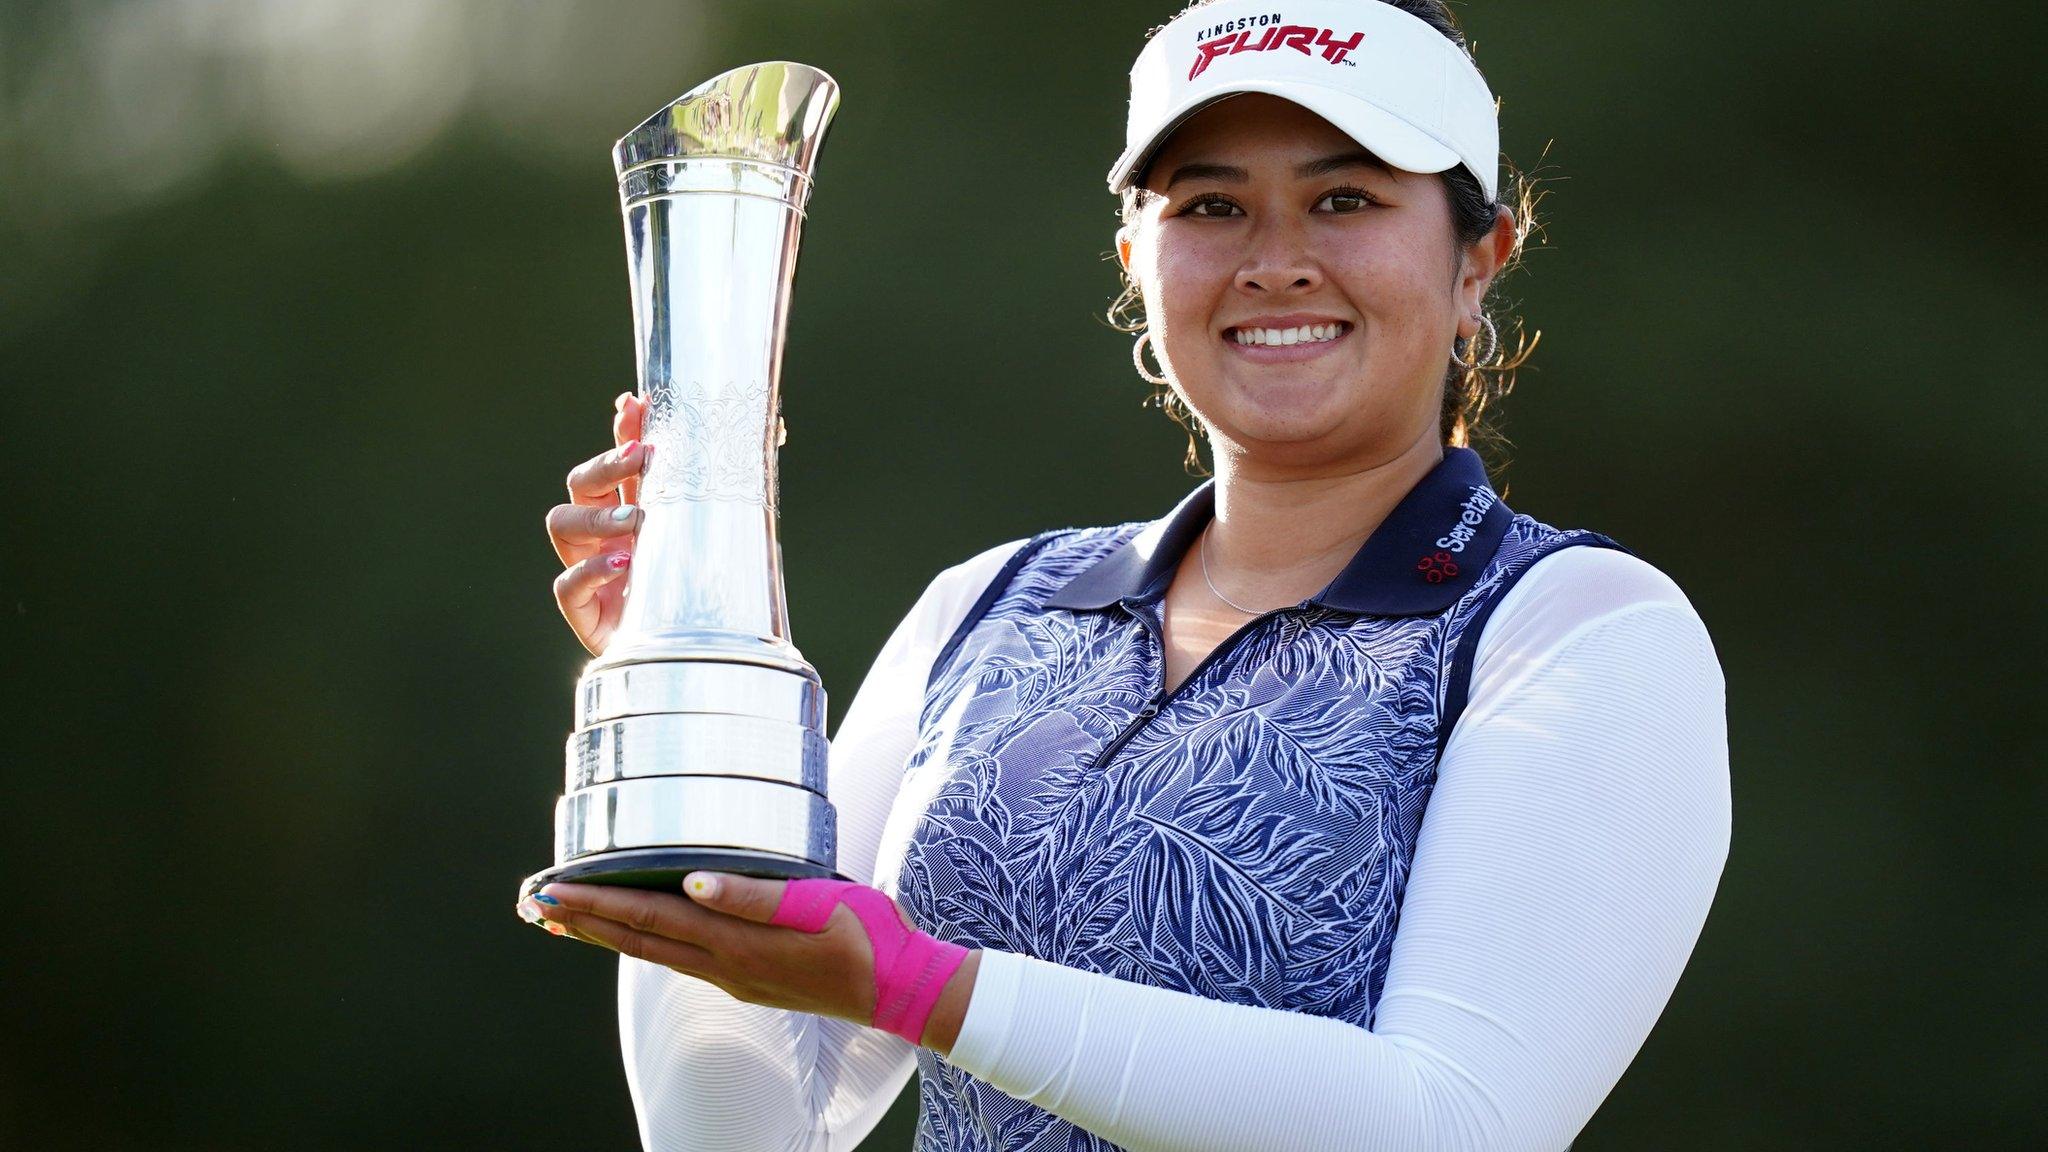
774	112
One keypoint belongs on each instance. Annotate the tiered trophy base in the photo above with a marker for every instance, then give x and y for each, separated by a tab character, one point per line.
704	764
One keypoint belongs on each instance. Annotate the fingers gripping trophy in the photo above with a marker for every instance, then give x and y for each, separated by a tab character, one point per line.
700	730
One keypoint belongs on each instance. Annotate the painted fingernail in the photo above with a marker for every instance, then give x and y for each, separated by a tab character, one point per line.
618	560
701	884
623	513
528	912
548	900
626	449
555	928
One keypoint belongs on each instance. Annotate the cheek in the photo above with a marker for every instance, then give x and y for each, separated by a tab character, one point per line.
1402	291
1184	279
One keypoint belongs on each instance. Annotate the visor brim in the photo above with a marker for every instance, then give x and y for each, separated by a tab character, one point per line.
1394	140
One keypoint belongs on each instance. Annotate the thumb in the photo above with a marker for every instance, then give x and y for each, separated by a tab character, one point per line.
746	897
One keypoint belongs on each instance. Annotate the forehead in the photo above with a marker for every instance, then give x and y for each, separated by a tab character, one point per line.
1247	129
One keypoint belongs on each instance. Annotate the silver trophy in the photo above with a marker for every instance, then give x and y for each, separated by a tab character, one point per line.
700	733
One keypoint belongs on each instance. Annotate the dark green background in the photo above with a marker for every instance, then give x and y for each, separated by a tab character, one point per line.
285	687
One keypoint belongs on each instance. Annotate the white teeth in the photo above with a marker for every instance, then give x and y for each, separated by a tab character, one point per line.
1310	334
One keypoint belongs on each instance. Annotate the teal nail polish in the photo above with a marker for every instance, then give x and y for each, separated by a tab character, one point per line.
548	900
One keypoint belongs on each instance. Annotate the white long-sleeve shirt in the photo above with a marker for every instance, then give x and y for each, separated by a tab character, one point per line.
1569	853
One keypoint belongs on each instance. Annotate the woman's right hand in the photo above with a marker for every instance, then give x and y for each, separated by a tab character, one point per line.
594	532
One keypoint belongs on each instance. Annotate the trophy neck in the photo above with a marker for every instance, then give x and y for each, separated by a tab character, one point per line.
712	190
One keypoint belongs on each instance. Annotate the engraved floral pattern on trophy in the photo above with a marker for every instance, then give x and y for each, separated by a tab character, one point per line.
709	447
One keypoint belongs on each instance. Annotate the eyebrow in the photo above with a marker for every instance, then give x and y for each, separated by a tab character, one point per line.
1230	174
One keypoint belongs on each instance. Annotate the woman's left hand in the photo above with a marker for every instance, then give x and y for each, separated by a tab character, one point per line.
720	933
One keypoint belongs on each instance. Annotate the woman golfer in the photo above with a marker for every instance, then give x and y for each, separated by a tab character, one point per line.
1340	807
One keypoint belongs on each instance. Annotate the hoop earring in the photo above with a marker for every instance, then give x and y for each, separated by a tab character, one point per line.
1138	360
1479	358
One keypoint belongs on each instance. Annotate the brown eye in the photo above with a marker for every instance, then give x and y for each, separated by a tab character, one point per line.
1344	201
1198	207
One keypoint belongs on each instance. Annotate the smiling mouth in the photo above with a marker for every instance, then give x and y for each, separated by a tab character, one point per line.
1279	337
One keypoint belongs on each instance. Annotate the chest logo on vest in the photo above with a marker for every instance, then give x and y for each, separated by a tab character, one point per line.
1437	568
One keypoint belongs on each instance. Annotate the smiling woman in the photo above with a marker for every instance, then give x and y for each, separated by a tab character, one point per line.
1341	806
1481	368
1227	255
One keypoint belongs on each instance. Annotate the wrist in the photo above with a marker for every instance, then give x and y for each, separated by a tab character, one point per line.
942	1029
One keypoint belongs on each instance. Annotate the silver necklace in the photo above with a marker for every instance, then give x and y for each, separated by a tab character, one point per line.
1202	553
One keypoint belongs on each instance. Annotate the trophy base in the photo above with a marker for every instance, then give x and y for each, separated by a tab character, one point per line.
664	868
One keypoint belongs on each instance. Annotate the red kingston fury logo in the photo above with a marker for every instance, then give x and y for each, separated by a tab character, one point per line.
1266	34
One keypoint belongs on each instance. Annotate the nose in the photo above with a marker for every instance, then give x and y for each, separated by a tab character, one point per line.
1279	260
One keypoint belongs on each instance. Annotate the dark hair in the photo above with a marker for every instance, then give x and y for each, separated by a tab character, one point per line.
1471	394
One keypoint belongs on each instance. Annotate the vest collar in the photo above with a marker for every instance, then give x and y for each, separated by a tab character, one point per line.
1426	554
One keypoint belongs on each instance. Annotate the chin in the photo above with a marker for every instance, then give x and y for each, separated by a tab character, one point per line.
1280	435
1286	416
1284	431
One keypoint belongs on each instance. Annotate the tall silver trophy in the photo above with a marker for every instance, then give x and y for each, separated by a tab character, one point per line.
700	733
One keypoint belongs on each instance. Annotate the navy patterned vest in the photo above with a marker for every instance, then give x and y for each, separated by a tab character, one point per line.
1246	837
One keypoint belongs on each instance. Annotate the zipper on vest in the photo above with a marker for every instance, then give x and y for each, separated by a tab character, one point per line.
1143	718
1159	697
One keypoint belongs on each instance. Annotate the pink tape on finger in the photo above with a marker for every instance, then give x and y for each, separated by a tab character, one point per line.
911	968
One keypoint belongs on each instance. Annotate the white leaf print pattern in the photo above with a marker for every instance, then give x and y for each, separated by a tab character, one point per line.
1249	844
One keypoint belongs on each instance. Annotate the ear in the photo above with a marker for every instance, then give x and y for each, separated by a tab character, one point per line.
1477	268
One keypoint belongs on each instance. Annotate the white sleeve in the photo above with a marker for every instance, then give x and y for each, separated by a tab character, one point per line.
1565	864
707	1071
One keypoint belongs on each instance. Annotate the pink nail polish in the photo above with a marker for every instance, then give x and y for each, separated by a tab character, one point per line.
618	560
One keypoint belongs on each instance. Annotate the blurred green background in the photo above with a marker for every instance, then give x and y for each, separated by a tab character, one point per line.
306	307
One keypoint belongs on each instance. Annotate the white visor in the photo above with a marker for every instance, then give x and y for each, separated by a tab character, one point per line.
1385	78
